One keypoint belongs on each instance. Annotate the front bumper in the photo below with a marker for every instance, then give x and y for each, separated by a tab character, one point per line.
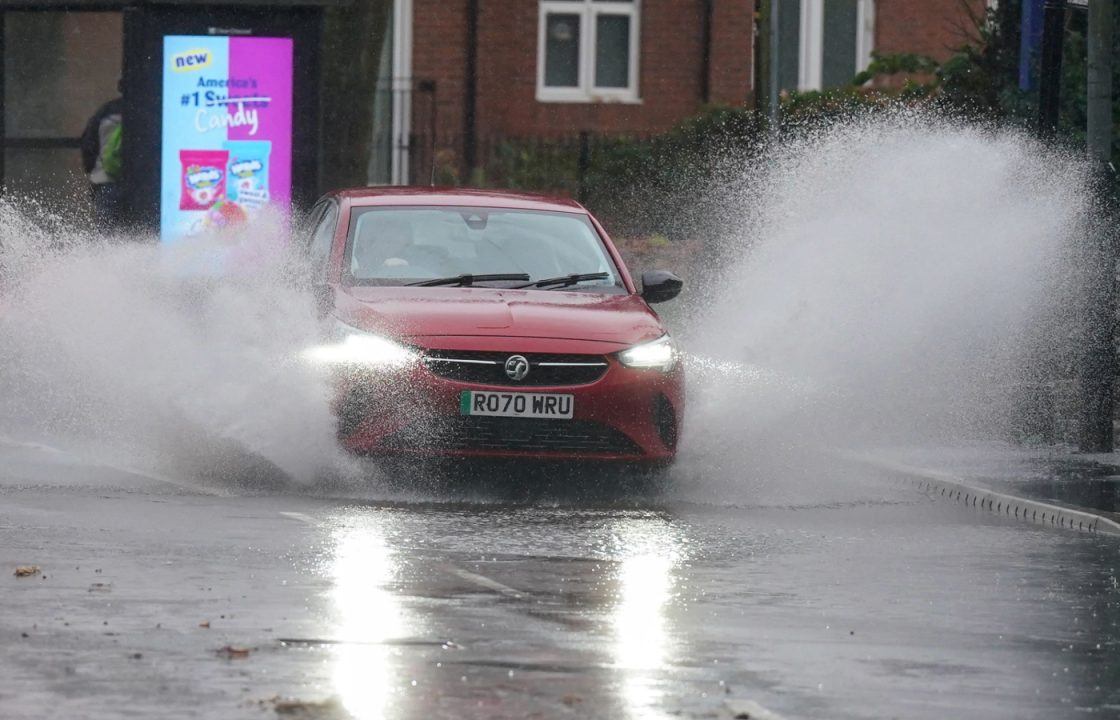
626	415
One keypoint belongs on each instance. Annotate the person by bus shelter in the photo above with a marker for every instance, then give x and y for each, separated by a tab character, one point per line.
103	164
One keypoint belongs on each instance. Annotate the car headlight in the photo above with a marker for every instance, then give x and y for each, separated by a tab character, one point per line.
660	354
351	346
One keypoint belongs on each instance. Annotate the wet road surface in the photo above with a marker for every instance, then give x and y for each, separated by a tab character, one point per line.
874	603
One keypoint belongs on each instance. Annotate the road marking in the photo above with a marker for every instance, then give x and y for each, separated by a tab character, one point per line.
480	580
27	445
488	583
952	487
301	517
11	442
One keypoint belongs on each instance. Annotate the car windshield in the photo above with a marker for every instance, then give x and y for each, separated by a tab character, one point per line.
401	246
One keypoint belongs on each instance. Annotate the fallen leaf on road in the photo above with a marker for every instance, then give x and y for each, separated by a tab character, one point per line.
328	709
204	624
27	570
231	651
749	710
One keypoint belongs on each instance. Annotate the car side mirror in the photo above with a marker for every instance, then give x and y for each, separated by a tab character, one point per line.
660	285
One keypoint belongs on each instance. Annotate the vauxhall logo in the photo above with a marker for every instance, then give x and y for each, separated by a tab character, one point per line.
517	367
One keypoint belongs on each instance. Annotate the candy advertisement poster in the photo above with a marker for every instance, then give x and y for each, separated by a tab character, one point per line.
227	131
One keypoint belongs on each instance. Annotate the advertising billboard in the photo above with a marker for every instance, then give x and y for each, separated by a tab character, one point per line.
227	131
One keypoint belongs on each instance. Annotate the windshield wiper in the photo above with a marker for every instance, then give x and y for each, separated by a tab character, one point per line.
468	279
566	280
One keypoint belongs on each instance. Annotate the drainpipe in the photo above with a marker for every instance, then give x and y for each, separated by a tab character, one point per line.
402	86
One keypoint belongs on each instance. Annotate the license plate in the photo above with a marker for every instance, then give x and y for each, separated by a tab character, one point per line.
525	405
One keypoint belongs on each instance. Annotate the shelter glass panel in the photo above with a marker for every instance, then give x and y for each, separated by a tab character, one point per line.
58	69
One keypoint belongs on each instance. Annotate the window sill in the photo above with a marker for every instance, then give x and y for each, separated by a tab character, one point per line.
587	99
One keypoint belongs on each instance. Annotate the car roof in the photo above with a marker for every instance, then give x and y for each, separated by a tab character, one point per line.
453	196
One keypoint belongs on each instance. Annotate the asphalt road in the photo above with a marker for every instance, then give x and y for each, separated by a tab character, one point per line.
857	598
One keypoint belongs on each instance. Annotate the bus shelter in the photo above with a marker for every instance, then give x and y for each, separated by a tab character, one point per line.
220	103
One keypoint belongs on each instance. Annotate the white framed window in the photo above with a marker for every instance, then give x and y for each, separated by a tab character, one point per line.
587	51
823	43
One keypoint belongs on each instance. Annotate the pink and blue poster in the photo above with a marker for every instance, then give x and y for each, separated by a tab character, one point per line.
227	131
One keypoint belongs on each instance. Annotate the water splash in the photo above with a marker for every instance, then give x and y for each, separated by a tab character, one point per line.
894	279
180	359
884	280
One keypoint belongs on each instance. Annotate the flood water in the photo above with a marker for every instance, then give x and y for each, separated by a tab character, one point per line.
206	549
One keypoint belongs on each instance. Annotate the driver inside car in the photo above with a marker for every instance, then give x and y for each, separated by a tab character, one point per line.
388	249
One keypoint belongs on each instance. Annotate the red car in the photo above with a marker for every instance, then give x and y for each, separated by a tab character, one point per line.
490	324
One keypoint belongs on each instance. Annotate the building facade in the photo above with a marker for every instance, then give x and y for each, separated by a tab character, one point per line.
409	85
554	68
521	69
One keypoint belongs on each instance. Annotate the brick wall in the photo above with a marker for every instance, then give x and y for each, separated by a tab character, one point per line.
926	27
732	66
670	69
439	52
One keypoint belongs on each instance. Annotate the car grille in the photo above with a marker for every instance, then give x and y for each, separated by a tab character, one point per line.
488	368
513	434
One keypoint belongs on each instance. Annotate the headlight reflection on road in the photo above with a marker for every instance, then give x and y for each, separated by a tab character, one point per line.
368	614
643	645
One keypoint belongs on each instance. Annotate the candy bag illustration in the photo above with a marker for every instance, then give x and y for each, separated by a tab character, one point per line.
247	182
224	215
204	178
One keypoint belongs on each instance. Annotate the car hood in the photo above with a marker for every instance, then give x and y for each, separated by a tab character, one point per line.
405	312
